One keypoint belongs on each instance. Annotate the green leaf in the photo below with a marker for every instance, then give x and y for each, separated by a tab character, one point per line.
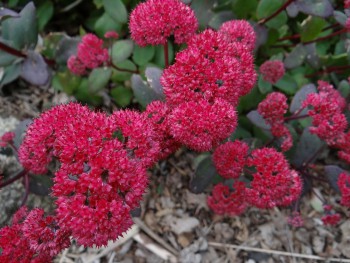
344	88
296	57
153	75
278	21
255	117
35	70
44	13
307	147
83	94
123	75
142	55
332	173
40	184
251	100
5	58
219	18
312	57
340	17
311	28
122	96
104	24
240	133
144	93
203	11
121	50
267	7
243	8
287	84
98	79
66	82
65	48
203	176
264	86
10	73
300	96
322	8
22	31
7	13
116	10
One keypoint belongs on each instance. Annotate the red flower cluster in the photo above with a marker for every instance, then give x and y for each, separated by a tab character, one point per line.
344	186
295	220
274	183
201	125
331	219
272	70
239	31
329	123
154	21
157	114
209	68
111	34
226	202
102	174
6	138
229	158
203	87
91	54
346	4
272	109
32	237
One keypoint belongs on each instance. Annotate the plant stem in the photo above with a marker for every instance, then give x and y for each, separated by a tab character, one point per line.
337	69
295	117
16	177
166	54
305	164
123	69
341	31
18	53
296	36
279	10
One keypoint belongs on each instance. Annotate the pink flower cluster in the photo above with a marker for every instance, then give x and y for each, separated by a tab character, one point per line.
154	21
239	31
204	85
103	161
272	109
273	184
344	186
91	54
328	121
226	202
229	158
6	138
272	70
331	219
32	237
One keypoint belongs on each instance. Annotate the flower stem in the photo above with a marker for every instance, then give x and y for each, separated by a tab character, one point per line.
166	54
279	10
337	69
295	117
18	53
19	175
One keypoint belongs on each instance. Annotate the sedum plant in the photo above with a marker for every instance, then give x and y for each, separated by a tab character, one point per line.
258	104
